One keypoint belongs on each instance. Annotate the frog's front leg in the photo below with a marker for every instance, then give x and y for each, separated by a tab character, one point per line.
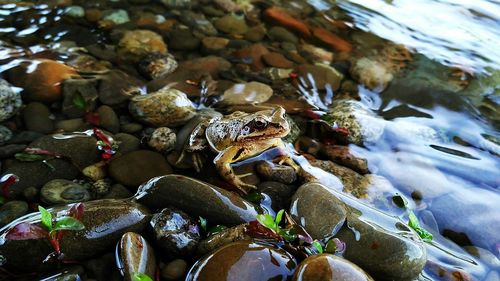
223	163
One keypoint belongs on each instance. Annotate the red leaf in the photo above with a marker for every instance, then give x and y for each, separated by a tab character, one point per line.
311	114
101	136
77	210
8	180
26	231
257	230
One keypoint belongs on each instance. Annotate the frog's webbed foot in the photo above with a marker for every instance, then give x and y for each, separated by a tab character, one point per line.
241	185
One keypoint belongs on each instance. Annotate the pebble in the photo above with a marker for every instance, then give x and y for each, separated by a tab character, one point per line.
256	33
231	24
70	125
116	16
164	108
127	143
36	118
12	210
174	270
182	39
253	54
118	191
244	261
5	134
247	93
11	149
213	45
327	267
116	87
196	198
281	34
137	167
279	193
10	101
175	233
100	187
163	140
60	191
137	43
43	81
371	73
275	172
108	119
277	60
322	75
135	254
131	128
95	171
154	66
73	89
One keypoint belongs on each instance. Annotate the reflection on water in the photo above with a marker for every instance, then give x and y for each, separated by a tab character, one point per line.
457	33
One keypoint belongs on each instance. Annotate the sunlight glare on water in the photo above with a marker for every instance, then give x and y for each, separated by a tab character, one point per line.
454	32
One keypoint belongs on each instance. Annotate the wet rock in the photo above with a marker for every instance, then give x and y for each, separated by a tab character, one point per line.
319	76
175	232
131	128
116	87
5	134
174	270
127	143
275	172
198	22
108	119
213	45
103	268
279	193
281	34
363	125
137	167
379	243
31	194
78	89
283	18
10	149
36	118
61	191
327	267
231	24
43	81
222	238
256	33
475	218
166	107
118	191
81	149
196	198
118	16
341	154
182	39
211	64
10	101
247	93
277	60
116	217
73	273
135	255
95	171
70	125
176	3
371	73
252	55
137	43
244	261
154	66
12	210
100	187
36	174
163	140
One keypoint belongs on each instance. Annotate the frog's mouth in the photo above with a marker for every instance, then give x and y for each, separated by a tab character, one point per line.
272	131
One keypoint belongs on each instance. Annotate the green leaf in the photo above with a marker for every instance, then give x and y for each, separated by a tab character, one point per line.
287	235
267	221
318	246
203	223
279	216
68	223
254	197
139	276
27	157
46	218
413	223
79	101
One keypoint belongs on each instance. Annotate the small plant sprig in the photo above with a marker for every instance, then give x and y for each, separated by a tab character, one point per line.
32	154
91	117
139	276
412	219
267	226
106	144
203	223
51	228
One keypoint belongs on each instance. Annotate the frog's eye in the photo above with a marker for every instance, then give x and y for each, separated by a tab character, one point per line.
260	124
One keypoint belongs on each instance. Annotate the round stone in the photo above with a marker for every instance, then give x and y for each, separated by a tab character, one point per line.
327	267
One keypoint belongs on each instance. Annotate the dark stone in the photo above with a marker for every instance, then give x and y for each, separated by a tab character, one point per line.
9	150
36	118
11	211
71	89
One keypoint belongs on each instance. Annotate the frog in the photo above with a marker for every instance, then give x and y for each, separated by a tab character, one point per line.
239	136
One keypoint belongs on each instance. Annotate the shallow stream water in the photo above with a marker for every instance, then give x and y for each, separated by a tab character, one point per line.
435	124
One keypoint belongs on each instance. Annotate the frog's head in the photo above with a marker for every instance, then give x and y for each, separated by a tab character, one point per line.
265	124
